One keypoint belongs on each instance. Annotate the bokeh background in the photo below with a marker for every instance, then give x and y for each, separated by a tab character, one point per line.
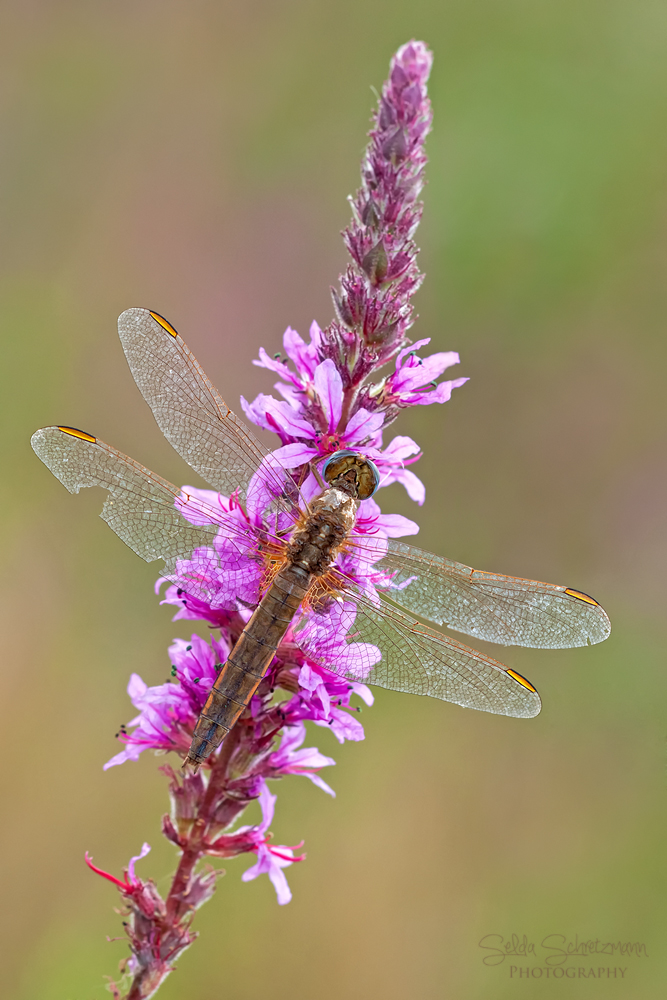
195	158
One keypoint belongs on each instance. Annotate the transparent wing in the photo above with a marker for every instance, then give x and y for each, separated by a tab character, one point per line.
378	645
503	609
193	416
215	562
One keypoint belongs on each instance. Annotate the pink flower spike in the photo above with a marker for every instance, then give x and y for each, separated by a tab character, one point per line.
337	389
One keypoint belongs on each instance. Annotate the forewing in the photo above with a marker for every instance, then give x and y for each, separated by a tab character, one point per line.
349	636
192	414
503	609
140	509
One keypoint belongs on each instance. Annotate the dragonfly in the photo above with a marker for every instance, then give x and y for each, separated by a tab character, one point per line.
351	602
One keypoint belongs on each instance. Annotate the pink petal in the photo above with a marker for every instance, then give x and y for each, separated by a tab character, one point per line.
130	753
293	737
290	393
256	411
315	335
137	857
413	486
300	354
443	392
321	783
411	350
136	688
344	726
364	692
400	448
415	375
267	803
291	456
254	871
273	364
279	883
201	507
329	387
395	525
288	419
363	425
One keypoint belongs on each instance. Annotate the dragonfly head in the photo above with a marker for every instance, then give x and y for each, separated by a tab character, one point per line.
352	473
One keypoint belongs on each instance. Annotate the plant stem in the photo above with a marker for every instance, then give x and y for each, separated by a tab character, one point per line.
176	905
147	980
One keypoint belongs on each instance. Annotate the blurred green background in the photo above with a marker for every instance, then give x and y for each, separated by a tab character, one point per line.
195	158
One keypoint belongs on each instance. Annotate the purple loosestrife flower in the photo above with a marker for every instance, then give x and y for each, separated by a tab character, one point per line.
271	860
240	585
168	712
331	398
289	759
328	399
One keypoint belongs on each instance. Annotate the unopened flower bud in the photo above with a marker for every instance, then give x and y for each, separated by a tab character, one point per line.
387	114
381	335
395	148
185	791
398	76
375	264
370	216
342	309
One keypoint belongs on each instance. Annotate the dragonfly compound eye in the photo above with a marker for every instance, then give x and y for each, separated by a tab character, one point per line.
347	467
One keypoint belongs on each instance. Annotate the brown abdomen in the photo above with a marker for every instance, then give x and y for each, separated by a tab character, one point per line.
248	661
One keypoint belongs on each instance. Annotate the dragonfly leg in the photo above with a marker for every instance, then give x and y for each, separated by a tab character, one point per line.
318	477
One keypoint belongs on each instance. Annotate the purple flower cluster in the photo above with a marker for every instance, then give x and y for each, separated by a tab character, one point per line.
331	398
166	720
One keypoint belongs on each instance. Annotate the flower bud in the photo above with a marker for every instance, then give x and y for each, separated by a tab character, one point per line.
375	264
395	147
370	215
342	309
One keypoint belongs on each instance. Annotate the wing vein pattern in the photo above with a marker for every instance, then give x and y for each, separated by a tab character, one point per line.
414	658
503	609
140	510
192	414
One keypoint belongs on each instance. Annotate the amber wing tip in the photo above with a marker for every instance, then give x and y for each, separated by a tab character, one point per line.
77	433
164	323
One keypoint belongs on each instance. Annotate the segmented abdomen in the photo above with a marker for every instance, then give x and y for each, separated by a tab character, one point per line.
248	661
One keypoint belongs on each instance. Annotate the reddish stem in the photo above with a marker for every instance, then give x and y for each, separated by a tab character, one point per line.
147	981
192	853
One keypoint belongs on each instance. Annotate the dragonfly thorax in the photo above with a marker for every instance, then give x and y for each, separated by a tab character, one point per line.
322	530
